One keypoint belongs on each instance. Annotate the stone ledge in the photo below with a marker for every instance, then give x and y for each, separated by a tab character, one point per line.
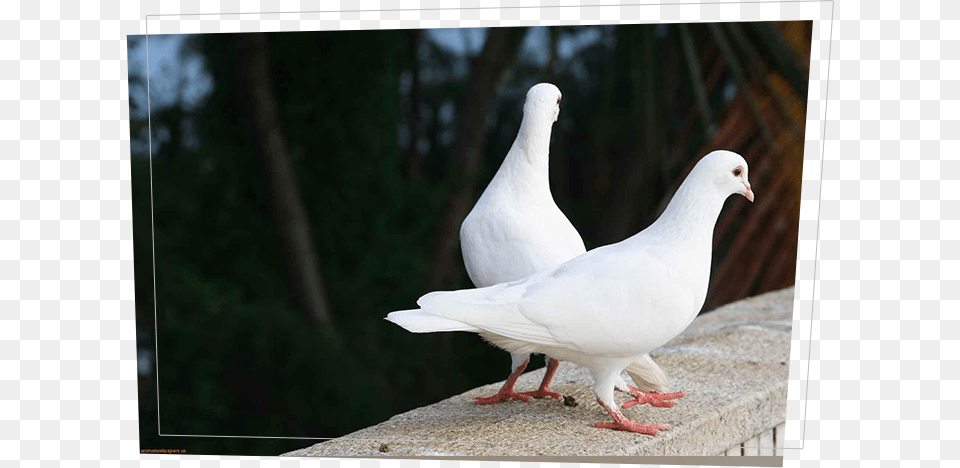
731	362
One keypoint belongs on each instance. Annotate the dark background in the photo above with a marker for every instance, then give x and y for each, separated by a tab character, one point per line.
305	184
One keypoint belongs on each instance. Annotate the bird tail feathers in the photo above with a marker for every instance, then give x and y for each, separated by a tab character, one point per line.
648	376
418	321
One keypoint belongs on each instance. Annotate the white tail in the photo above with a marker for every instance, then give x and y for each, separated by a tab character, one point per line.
418	321
648	376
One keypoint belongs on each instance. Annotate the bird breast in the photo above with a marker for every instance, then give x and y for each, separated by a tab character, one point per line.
500	244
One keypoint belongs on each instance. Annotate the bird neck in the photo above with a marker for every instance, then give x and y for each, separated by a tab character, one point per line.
530	153
692	214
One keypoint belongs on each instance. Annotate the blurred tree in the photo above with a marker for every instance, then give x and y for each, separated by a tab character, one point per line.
415	121
293	224
638	48
755	247
499	51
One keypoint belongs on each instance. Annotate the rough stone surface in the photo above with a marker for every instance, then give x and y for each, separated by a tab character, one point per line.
731	362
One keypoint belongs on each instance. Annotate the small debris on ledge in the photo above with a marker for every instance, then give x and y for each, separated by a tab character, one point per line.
731	362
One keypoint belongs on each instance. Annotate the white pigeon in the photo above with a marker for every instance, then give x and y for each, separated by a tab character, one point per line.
516	230
607	308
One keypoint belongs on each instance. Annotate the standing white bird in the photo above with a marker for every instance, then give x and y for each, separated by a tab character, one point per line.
516	230
607	308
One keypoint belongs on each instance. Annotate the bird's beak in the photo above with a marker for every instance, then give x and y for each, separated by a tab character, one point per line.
749	192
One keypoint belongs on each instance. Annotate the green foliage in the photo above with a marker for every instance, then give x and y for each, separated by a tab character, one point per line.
236	355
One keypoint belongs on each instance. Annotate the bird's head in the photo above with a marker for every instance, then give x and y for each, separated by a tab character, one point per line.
729	171
543	101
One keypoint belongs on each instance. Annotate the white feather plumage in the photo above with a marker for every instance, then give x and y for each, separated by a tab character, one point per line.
607	308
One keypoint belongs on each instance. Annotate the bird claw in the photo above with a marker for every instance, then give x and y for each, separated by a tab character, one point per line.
654	399
502	396
630	425
543	393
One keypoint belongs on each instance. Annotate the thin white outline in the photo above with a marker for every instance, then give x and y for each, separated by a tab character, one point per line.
816	248
153	244
820	195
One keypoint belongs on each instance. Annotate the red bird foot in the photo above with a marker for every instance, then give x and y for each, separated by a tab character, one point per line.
506	392
622	423
632	426
543	392
653	398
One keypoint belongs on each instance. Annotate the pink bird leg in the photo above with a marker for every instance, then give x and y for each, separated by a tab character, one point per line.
542	392
506	392
653	398
621	423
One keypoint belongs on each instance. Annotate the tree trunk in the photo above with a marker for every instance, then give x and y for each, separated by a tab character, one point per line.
499	51
696	78
630	196
416	99
286	205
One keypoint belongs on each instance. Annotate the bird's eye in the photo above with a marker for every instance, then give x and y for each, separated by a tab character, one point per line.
558	99
738	171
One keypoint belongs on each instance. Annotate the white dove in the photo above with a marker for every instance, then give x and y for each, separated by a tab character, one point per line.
607	308
516	230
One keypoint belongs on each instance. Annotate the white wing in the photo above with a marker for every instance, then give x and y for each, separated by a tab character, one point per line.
615	302
610	301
